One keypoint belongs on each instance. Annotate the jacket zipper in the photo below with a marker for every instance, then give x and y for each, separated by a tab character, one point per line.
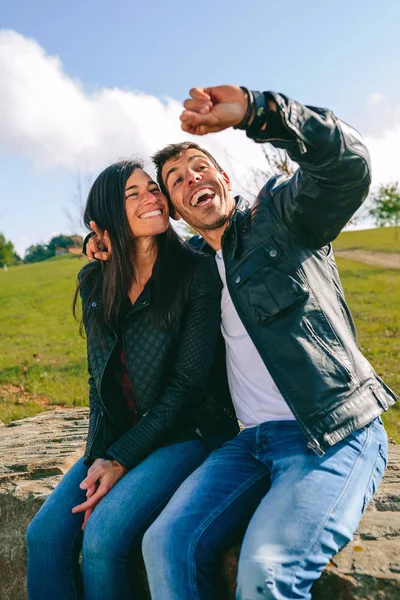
135	395
104	407
326	348
99	417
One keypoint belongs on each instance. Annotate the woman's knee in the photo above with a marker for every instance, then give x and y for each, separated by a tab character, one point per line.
39	531
105	543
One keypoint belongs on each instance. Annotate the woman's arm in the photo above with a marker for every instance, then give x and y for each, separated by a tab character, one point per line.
188	379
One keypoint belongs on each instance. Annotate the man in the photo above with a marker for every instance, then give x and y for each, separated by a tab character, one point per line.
313	449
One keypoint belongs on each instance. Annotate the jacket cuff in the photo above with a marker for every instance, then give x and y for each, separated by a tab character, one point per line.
85	241
277	126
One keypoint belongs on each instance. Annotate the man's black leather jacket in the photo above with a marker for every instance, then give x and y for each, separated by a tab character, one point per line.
283	280
177	374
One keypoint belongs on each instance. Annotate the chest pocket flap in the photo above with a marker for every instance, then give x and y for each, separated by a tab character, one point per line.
268	282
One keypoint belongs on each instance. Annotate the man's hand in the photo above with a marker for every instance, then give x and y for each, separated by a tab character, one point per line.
213	109
104	476
99	245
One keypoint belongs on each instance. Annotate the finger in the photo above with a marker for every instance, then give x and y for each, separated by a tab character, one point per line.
92	477
102	255
90	491
91	248
201	130
193	118
91	502
95	464
86	517
199	93
96	229
200	106
106	241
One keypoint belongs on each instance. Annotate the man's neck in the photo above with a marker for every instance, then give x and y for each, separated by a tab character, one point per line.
213	237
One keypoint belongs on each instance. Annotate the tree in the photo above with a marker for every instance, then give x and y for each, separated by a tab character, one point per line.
74	211
277	162
8	255
64	241
37	253
386	206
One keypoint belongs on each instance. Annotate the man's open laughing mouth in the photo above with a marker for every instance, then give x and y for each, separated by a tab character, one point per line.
202	197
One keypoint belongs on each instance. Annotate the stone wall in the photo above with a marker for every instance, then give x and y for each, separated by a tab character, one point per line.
36	452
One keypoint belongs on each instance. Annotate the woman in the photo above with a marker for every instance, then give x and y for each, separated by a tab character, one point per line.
158	397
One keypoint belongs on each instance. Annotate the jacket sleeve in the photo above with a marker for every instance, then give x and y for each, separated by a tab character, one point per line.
334	175
189	373
95	447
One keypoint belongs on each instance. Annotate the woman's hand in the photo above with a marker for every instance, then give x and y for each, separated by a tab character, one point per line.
91	490
99	245
99	481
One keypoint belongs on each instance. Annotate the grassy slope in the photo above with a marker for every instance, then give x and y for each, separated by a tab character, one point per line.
43	356
381	239
42	352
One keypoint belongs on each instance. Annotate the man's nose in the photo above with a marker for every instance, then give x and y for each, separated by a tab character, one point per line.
192	177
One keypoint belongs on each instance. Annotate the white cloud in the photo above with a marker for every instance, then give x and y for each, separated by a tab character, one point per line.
48	118
375	98
385	153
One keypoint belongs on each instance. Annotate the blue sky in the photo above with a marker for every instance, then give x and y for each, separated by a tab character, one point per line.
344	55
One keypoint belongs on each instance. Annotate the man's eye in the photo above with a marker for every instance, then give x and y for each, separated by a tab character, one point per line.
201	167
178	180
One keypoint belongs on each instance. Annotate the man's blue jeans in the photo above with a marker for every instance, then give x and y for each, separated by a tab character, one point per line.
298	510
113	532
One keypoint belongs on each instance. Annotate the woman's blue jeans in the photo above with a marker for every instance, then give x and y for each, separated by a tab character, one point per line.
113	532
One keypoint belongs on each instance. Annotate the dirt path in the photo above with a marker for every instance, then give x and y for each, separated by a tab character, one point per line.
389	260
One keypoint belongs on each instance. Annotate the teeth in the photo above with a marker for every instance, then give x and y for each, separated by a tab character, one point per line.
148	215
196	197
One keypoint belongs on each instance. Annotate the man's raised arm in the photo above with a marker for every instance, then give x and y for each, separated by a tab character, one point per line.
334	175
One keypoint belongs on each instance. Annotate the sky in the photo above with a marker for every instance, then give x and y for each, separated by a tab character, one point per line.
85	83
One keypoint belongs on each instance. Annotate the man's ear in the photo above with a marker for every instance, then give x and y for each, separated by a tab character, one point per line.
227	180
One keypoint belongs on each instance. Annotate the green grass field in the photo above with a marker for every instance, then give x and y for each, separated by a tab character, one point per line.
43	358
381	239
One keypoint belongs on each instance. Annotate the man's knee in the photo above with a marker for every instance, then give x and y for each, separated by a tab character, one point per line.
157	540
258	579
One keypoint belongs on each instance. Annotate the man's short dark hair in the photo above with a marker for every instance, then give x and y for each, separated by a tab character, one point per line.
175	151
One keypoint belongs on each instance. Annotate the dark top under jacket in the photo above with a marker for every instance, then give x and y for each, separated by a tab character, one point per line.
177	374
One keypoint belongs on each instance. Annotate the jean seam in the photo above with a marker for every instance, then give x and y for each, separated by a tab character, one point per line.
207	523
333	509
71	565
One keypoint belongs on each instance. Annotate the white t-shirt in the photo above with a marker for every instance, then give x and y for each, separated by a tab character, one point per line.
254	394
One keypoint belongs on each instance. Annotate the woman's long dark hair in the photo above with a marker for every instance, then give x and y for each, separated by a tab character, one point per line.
112	280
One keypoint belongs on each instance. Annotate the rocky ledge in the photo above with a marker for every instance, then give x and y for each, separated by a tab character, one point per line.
36	452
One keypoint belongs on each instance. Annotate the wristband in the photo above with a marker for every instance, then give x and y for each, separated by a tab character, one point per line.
260	113
244	122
